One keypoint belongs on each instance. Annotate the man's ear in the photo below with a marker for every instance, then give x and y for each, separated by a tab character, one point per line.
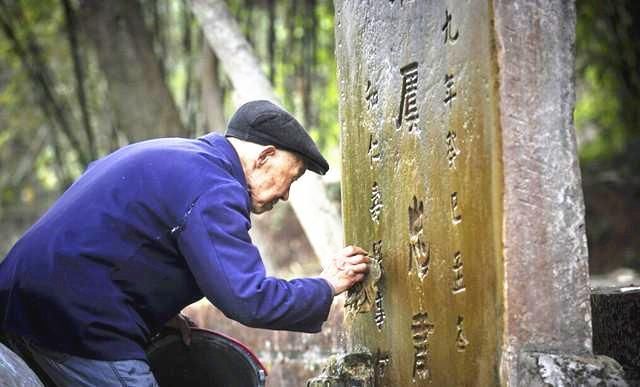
266	152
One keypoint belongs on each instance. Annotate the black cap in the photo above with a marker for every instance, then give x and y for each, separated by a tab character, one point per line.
265	123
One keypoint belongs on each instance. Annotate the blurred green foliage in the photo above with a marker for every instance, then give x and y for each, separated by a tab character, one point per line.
292	38
607	117
607	120
303	66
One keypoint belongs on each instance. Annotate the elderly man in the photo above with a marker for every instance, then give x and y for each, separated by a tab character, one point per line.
151	228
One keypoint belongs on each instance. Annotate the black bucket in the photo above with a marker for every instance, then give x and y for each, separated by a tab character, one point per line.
211	360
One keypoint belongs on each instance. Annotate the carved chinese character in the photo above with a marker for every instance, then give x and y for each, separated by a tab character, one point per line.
375	153
381	361
461	338
408	98
450	93
371	95
376	203
452	149
377	251
447	28
458	276
379	315
421	330
419	250
455	212
365	295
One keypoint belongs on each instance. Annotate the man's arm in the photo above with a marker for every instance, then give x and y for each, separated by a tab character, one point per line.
229	270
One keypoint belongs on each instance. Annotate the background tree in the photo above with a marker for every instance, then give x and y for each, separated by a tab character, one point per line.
607	121
142	104
308	198
104	74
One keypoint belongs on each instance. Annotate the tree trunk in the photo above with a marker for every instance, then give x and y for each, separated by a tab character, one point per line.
317	216
78	71
189	102
143	105
271	39
53	106
212	106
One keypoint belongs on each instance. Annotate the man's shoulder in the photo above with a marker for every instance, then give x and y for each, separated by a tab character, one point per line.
173	157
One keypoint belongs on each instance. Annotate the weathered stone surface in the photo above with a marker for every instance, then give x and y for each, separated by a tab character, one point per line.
546	292
616	327
422	185
543	369
460	175
14	372
348	370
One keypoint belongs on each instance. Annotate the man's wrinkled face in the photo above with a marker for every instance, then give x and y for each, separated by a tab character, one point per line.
275	171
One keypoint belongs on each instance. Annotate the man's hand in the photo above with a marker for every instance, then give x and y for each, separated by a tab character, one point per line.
183	324
346	269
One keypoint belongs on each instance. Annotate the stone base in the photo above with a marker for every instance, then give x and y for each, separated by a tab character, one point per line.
616	327
544	369
349	370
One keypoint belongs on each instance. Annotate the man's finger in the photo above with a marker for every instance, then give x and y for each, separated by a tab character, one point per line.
358	251
186	338
353	250
185	332
190	321
356	259
347	250
359	268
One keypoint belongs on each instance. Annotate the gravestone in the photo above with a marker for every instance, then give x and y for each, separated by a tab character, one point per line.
460	177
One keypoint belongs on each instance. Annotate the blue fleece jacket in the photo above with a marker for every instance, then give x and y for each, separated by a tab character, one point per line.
142	233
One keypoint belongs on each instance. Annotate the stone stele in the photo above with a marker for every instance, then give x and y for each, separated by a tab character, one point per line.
460	177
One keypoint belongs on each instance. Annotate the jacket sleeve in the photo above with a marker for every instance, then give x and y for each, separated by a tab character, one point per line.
229	270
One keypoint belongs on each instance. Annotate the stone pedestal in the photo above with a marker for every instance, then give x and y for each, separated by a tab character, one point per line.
616	327
460	176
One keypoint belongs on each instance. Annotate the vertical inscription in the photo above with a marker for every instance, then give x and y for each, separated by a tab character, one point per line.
381	361
408	111
447	29
456	216
450	94
377	251
419	250
371	95
379	315
376	203
458	275
374	152
451	34
421	330
452	149
461	338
